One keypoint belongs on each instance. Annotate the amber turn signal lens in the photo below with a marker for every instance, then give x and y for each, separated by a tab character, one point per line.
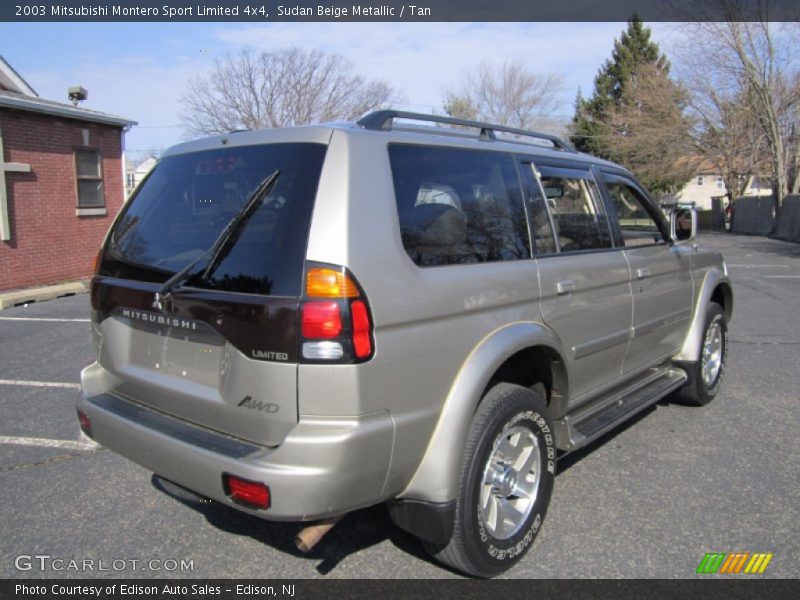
96	264
327	283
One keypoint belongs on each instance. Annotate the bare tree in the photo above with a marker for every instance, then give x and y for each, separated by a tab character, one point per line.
508	94
281	88
649	129
756	69
727	136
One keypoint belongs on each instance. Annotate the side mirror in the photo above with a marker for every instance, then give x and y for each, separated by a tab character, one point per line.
683	224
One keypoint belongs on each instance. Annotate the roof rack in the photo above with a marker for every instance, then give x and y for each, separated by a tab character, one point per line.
381	120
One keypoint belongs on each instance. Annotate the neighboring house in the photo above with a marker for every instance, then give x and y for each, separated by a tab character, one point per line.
130	180
708	184
134	174
61	184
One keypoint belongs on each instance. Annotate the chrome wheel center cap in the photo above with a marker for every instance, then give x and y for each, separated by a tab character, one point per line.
506	482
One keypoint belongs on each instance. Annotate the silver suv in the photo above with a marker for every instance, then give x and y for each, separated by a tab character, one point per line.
301	322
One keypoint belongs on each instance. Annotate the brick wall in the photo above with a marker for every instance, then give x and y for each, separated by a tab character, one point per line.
49	243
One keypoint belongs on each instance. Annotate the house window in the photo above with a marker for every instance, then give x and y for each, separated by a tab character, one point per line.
89	173
699	180
720	183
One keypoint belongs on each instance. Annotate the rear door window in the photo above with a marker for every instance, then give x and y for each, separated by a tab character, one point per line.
458	206
576	208
183	206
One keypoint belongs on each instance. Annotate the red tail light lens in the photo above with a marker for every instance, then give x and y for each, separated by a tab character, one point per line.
250	493
362	343
321	320
86	424
335	319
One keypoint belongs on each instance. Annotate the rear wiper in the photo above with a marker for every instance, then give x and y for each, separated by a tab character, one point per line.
230	231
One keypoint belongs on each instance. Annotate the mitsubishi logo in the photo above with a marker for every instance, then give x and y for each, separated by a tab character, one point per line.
158	302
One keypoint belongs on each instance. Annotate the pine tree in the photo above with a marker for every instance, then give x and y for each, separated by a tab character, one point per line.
636	114
633	49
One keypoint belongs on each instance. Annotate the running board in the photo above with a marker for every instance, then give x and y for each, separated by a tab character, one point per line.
590	422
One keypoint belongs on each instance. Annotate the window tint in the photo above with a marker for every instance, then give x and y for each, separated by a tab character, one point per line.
458	206
90	178
182	207
578	215
637	225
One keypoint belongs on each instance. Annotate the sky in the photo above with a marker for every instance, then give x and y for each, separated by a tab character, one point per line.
140	70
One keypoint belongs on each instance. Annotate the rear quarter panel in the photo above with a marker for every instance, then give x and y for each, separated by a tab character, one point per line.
427	320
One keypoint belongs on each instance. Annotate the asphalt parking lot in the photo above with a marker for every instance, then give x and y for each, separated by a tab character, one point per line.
647	501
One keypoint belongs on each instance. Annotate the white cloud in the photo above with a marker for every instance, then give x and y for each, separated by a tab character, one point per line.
422	58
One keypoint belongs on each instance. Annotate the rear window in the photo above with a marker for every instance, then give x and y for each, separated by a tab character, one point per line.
188	199
458	206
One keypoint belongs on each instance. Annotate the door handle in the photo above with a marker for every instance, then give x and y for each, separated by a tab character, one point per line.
565	287
643	273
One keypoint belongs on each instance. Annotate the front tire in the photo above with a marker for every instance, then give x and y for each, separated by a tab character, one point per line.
505	485
705	375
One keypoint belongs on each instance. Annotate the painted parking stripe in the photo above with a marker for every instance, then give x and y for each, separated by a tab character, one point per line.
45	319
47	443
744	266
782	276
55	384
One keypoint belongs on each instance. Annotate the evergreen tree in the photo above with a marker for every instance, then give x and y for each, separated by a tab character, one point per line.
611	123
632	50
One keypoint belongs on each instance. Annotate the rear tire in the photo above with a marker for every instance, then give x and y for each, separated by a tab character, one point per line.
505	484
705	375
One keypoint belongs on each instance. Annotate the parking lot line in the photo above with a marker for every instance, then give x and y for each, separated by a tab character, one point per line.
48	443
56	384
743	266
783	276
46	319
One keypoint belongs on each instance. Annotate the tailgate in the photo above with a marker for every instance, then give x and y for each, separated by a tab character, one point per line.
224	361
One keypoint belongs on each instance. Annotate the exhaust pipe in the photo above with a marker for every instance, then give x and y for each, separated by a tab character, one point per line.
311	535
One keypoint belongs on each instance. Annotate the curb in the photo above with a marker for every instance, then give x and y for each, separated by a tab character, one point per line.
40	294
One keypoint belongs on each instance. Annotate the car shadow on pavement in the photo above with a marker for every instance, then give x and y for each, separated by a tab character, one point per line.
357	531
565	461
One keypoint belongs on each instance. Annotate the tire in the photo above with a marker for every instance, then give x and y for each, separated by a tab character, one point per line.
510	425
705	375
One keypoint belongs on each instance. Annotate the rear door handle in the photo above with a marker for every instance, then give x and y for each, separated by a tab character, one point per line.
565	287
643	273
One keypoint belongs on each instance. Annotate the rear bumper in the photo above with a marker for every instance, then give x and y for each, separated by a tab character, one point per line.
325	466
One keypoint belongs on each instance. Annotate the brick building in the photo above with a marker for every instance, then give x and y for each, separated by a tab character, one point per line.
61	184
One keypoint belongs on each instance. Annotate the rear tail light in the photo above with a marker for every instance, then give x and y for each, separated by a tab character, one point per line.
321	320
330	283
336	323
86	424
323	351
253	494
362	342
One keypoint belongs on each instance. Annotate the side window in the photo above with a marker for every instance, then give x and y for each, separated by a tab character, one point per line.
577	210
88	170
638	226
458	206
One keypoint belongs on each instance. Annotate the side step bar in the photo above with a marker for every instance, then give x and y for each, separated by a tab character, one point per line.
590	422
